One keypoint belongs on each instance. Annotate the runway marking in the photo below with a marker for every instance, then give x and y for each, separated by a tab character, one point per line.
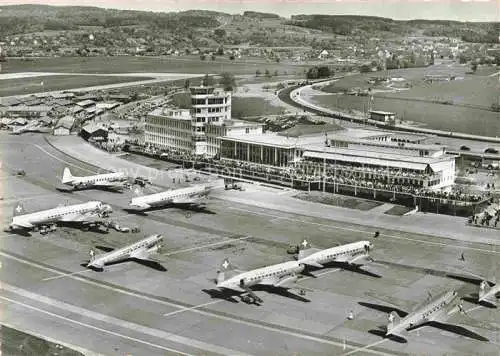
365	348
93	327
367	232
235	319
205	246
192	308
62	160
66	275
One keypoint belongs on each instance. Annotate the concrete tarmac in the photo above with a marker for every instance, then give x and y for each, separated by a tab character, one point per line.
132	309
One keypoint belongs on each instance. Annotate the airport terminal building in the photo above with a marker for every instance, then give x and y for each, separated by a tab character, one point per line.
197	131
358	157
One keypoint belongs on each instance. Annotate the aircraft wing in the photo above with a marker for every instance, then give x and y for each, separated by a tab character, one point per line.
76	217
456	317
25	225
457	329
142	254
141	206
283	282
361	258
186	200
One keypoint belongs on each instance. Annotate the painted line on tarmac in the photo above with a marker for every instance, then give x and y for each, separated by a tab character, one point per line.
66	275
365	348
192	308
205	246
134	327
27	306
256	324
367	232
62	160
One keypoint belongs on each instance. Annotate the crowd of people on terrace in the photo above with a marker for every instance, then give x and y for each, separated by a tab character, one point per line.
388	179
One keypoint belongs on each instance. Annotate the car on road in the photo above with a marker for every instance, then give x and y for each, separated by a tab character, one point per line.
491	150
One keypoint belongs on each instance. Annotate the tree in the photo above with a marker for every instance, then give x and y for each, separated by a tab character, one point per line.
232	57
213	57
473	66
258	73
268	73
276	73
219	32
208	81
187	84
220	51
228	81
365	68
203	57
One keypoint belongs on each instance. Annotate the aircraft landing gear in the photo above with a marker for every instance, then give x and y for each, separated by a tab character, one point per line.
250	299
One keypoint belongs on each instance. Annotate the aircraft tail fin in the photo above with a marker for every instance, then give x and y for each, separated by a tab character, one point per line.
393	321
225	268
484	289
67	176
18	209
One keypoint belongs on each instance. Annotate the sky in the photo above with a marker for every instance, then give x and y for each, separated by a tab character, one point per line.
460	10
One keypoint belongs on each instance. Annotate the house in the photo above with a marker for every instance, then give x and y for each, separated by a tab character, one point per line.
64	126
93	132
324	54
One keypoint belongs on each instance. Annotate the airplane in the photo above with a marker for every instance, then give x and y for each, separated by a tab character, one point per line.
444	312
139	251
108	180
189	195
46	220
488	293
349	254
280	275
488	290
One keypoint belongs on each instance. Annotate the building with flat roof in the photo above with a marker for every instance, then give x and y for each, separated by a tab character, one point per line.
352	156
382	116
170	129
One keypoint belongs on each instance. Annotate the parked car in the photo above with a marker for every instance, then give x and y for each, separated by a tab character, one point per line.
464	148
491	150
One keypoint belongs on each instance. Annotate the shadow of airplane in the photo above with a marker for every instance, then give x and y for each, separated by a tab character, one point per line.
185	207
457	329
384	308
69	189
223	294
285	292
20	232
342	266
473	298
381	333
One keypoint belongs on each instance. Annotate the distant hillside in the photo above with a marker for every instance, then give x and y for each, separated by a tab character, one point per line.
347	25
91	27
19	19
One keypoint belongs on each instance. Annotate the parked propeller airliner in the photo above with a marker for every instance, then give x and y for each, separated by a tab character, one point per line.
444	312
108	180
281	275
189	195
47	219
349	253
489	292
139	251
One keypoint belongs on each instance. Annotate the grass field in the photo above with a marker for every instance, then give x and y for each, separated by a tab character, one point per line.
129	64
252	106
15	342
338	200
478	90
58	82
